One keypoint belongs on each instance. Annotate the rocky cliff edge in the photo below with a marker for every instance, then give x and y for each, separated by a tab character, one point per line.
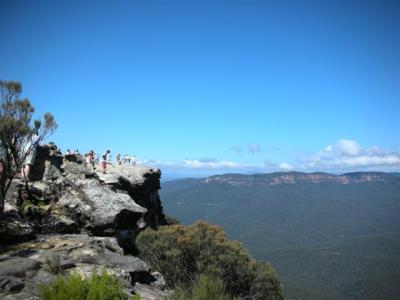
79	219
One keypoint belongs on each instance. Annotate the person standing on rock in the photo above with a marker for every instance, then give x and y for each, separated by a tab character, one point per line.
30	158
92	159
104	160
87	158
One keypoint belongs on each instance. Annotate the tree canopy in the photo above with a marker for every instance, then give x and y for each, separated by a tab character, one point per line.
18	129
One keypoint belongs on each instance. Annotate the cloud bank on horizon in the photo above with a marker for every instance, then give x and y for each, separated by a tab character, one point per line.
348	155
343	156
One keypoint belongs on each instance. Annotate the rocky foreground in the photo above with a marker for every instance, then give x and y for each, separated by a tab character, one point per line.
73	218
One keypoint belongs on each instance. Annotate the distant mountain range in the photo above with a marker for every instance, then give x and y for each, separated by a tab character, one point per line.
300	177
329	236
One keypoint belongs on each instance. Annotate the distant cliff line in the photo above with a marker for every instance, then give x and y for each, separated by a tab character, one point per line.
277	178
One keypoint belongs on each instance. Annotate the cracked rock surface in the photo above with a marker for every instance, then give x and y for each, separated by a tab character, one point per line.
83	220
26	265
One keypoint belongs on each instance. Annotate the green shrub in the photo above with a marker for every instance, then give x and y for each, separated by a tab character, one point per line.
179	294
265	283
182	253
98	287
204	288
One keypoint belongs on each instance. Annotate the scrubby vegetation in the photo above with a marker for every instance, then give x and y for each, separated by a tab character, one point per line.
98	287
184	253
204	288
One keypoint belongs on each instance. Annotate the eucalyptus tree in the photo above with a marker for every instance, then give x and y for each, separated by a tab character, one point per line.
19	133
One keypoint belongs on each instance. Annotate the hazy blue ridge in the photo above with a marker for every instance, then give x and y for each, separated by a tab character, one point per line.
328	240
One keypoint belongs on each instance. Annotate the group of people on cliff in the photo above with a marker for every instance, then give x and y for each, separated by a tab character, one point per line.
91	158
125	159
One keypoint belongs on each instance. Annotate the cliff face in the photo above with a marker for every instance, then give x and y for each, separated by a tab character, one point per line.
81	216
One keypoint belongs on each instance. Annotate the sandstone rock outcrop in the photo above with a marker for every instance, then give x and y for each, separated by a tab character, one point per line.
26	265
87	219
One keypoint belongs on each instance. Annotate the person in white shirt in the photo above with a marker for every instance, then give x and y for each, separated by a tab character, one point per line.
104	160
30	158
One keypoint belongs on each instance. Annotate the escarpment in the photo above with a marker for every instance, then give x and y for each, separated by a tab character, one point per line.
84	218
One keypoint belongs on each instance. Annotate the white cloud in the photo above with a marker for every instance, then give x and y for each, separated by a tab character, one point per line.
204	164
285	166
345	147
199	164
208	159
343	156
349	155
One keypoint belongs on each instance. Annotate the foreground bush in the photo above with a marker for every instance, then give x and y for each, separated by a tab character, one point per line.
183	253
73	287
204	288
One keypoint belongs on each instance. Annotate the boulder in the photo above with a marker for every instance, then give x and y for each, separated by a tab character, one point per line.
99	209
29	264
76	165
14	229
141	184
48	161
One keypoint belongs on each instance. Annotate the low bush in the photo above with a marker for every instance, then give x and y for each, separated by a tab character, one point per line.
183	253
204	288
97	287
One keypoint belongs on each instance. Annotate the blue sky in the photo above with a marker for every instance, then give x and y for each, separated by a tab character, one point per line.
202	87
